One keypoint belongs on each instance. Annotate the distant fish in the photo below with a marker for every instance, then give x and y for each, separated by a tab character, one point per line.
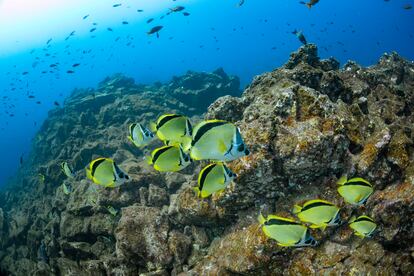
56	103
310	4
176	9
186	13
150	20
241	3
300	36
38	102
155	30
117	5
407	7
140	10
86	16
75	64
25	73
92	30
48	41
110	29
70	71
125	22
21	160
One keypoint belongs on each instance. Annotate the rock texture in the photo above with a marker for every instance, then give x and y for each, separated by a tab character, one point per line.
306	123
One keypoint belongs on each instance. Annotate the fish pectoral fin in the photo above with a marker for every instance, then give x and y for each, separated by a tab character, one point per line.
315	226
223	148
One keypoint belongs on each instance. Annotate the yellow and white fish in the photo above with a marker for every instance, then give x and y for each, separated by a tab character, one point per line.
213	178
139	135
363	226
217	140
169	159
67	170
287	232
355	190
105	172
320	213
173	129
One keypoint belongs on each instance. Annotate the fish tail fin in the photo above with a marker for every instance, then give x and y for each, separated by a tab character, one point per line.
153	126
296	209
342	180
261	219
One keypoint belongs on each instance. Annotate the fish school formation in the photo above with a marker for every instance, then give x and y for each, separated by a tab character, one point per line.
215	140
220	141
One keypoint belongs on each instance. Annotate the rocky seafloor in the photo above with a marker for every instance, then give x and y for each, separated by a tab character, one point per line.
306	123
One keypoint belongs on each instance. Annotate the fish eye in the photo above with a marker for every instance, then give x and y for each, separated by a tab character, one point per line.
186	159
240	148
247	152
121	175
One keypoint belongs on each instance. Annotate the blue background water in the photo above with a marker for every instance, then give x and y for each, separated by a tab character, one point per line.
245	41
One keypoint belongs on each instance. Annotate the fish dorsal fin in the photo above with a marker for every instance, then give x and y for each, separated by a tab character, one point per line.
261	219
297	209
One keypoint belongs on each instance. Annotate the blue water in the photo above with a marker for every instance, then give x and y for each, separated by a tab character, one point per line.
245	41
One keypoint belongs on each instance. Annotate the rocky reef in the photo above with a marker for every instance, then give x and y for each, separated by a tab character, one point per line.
306	123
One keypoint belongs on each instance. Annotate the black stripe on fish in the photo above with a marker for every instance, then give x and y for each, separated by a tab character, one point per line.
96	164
131	130
357	183
159	152
315	204
167	119
204	175
273	221
364	219
203	129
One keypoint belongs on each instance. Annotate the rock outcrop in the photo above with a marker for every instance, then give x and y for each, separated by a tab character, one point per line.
306	123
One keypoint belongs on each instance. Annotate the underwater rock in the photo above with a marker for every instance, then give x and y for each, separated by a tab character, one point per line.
142	236
306	123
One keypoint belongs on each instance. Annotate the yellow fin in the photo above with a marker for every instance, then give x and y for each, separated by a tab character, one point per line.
88	173
197	191
261	219
153	127
296	209
284	244
342	180
222	147
148	159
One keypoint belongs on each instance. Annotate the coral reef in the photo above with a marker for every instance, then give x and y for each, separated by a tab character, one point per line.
306	123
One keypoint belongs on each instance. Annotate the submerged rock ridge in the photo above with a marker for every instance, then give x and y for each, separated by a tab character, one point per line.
306	123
